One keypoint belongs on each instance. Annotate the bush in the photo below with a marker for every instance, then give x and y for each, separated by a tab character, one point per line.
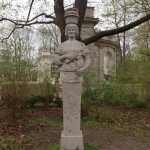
34	99
95	97
115	94
41	99
141	105
91	93
51	98
58	101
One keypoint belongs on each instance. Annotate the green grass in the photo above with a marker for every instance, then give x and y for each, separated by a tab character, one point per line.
139	134
32	137
38	104
91	123
31	124
90	146
49	121
106	113
9	142
54	147
2	112
87	146
120	130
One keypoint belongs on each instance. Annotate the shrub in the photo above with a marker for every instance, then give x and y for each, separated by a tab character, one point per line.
91	93
95	97
51	98
41	99
141	105
58	101
34	99
114	93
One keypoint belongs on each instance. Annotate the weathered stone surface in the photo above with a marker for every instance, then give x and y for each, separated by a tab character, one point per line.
71	108
45	60
71	137
71	142
96	49
72	57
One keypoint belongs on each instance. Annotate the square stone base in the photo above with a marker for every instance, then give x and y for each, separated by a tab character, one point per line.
71	142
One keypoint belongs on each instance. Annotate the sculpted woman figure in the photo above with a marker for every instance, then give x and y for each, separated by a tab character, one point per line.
72	57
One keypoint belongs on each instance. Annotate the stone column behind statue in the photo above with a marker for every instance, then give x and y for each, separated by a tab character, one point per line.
72	57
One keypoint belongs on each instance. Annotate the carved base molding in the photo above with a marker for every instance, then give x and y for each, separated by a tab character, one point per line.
71	142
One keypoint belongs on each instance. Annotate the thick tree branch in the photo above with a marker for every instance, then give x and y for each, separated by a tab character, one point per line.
59	12
81	6
102	34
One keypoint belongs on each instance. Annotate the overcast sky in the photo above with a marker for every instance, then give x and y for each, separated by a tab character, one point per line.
19	8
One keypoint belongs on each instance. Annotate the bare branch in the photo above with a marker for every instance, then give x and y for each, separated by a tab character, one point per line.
10	20
38	22
23	25
116	31
16	22
30	10
10	34
42	14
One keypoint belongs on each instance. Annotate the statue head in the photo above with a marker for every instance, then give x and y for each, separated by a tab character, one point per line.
72	30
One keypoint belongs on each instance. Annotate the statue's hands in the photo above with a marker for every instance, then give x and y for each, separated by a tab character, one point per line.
70	56
79	72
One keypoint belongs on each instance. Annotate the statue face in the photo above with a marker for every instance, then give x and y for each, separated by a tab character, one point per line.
72	32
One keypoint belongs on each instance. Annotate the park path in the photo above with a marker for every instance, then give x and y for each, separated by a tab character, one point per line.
105	138
109	140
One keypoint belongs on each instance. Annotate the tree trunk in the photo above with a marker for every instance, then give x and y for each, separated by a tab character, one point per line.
81	6
60	20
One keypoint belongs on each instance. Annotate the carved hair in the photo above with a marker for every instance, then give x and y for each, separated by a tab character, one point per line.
70	26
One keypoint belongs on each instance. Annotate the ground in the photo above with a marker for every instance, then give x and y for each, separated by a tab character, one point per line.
115	129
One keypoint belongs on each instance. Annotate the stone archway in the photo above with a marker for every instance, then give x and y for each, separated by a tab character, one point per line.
108	63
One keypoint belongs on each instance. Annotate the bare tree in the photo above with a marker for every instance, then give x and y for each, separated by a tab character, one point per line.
59	21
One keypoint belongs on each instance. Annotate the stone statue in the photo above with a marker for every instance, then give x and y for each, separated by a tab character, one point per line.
72	58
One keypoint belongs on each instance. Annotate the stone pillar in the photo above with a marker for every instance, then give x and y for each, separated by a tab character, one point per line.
72	57
45	59
71	137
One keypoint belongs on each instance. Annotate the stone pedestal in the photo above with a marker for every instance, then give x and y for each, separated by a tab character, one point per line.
71	142
71	137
